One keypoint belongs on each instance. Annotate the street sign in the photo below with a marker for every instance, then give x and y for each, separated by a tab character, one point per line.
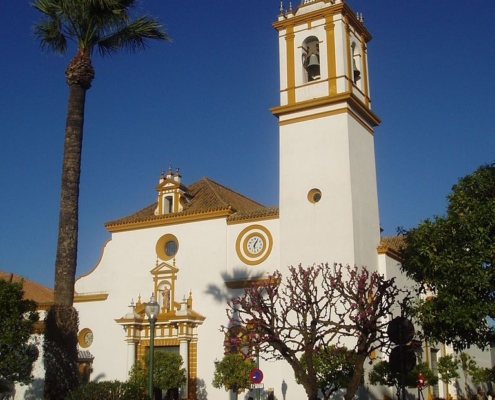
257	385
256	375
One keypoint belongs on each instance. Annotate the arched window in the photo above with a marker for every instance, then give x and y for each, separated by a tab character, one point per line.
356	63
311	58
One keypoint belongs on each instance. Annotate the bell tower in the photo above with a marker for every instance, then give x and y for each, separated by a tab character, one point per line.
328	192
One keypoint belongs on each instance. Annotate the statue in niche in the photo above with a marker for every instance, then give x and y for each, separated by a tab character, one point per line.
166	298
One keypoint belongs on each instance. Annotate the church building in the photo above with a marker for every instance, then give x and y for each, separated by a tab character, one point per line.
200	243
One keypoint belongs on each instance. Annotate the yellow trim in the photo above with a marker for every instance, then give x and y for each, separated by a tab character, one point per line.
160	246
347	54
241	244
311	195
84	298
81	335
388	251
168	219
331	56
291	73
364	66
243	220
361	111
307	18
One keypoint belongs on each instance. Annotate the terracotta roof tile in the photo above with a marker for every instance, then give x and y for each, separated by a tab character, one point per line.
261	212
32	290
206	196
393	242
391	246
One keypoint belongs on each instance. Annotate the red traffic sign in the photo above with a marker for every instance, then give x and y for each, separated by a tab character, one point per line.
256	375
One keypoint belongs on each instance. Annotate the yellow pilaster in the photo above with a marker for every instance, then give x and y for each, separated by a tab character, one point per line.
291	74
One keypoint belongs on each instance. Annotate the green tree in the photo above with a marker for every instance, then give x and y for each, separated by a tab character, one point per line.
233	373
448	369
313	308
462	244
168	372
480	375
17	319
381	374
106	25
334	367
468	366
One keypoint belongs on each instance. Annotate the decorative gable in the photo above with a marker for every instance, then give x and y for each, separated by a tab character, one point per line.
171	193
164	277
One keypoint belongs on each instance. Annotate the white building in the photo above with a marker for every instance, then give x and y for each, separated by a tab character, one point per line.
198	244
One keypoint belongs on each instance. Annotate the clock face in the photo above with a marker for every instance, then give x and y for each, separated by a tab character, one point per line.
255	244
85	337
88	338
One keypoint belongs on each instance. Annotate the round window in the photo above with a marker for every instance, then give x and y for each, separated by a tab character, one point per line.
167	247
171	248
314	195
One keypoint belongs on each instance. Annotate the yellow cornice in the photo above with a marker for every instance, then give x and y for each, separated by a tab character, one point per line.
308	17
169	219
322	13
84	298
347	97
251	219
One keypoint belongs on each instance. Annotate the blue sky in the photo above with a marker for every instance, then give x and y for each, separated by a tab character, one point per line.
202	103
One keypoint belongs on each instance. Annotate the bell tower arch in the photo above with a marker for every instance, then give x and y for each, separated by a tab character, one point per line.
328	193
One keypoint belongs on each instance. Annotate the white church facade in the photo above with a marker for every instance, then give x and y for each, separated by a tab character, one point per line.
199	244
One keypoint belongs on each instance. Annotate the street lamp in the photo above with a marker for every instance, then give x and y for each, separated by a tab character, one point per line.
152	309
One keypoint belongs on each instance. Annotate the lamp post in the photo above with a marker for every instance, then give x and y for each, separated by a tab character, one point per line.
152	309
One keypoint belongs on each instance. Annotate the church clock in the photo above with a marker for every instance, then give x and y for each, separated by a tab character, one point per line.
254	244
85	337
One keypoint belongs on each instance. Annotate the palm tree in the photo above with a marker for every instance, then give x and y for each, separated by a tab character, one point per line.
105	25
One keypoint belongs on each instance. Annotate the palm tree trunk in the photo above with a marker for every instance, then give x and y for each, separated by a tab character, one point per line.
60	345
65	264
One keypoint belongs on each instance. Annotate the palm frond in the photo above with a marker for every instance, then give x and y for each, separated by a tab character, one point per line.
133	36
105	24
50	36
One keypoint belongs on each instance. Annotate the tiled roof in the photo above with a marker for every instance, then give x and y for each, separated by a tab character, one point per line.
394	242
85	355
391	246
206	196
261	212
32	290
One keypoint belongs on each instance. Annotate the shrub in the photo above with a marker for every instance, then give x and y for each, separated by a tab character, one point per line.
114	390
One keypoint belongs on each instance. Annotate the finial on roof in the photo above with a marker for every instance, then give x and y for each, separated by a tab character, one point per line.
290	6
281	7
189	300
